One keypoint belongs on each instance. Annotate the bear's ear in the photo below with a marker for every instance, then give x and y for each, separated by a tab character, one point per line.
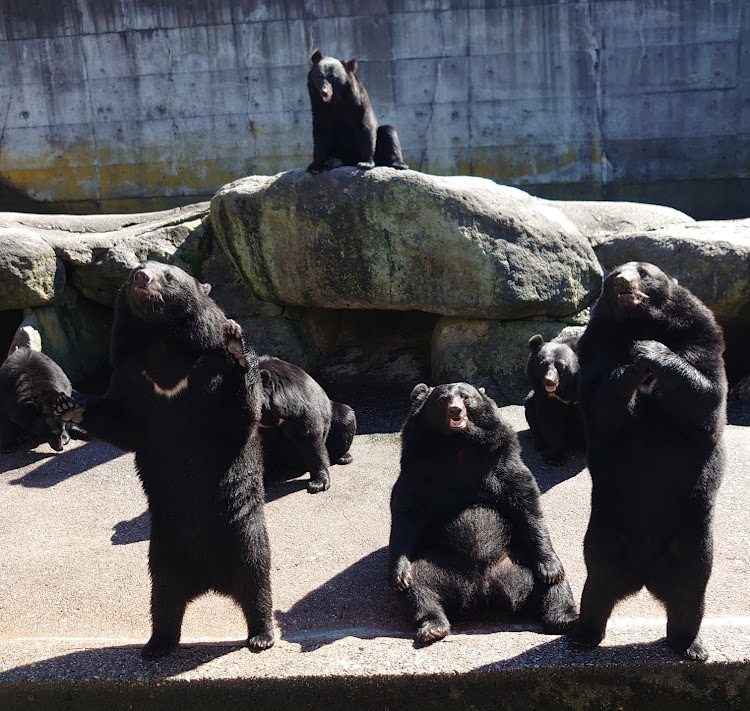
351	65
317	55
536	342
205	289
481	391
265	377
420	393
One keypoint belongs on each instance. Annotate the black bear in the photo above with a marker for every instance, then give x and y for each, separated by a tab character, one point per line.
467	529
301	429
653	393
30	382
552	405
185	396
345	131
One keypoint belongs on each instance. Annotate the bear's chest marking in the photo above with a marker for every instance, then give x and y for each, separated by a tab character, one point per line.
167	392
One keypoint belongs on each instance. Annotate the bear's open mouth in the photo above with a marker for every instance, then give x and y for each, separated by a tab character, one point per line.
628	294
550	388
457	423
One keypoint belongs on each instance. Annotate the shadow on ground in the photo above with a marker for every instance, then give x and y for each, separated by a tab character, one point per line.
56	468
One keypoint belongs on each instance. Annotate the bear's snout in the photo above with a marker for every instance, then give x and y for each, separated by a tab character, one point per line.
142	278
457	414
551	380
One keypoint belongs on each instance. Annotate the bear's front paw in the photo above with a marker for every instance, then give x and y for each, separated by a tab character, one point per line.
316	167
402	576
69	409
366	164
549	570
262	640
234	341
645	353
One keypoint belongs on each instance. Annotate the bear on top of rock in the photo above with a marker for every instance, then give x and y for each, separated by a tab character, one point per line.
185	396
345	131
653	394
467	528
552	405
30	382
301	429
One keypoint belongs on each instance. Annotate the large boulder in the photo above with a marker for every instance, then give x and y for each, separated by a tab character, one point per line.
602	220
402	240
710	258
491	354
30	274
99	251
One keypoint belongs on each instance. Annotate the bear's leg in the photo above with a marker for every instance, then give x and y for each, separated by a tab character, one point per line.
10	435
430	587
252	585
612	575
315	456
341	434
168	605
388	148
680	582
556	607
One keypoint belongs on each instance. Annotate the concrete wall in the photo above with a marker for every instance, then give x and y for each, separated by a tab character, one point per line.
120	105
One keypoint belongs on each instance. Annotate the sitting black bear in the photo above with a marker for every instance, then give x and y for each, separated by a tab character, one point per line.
552	405
345	131
302	430
185	395
653	394
467	529
30	382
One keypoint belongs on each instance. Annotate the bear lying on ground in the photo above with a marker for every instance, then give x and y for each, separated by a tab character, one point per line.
29	384
345	131
653	394
467	529
301	429
552	405
185	396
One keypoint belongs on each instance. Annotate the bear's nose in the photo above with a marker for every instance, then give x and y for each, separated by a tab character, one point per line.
141	278
455	412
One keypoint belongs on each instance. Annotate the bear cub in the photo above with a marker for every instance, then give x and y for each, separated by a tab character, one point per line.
345	131
467	528
30	382
301	429
185	396
552	405
653	395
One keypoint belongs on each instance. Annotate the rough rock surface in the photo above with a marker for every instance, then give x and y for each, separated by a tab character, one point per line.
99	251
386	239
30	274
600	220
490	354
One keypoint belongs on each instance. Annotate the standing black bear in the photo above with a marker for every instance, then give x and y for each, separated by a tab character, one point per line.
552	405
29	384
185	395
467	530
302	430
653	394
345	131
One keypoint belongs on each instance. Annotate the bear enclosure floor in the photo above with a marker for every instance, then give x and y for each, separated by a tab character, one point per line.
74	584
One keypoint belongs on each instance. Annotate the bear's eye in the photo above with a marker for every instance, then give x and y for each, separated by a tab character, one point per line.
168	277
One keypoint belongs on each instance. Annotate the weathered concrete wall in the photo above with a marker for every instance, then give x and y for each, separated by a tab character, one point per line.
114	105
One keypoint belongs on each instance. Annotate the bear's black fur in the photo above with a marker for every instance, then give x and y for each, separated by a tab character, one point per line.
345	131
552	405
185	396
29	384
301	429
653	394
467	529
